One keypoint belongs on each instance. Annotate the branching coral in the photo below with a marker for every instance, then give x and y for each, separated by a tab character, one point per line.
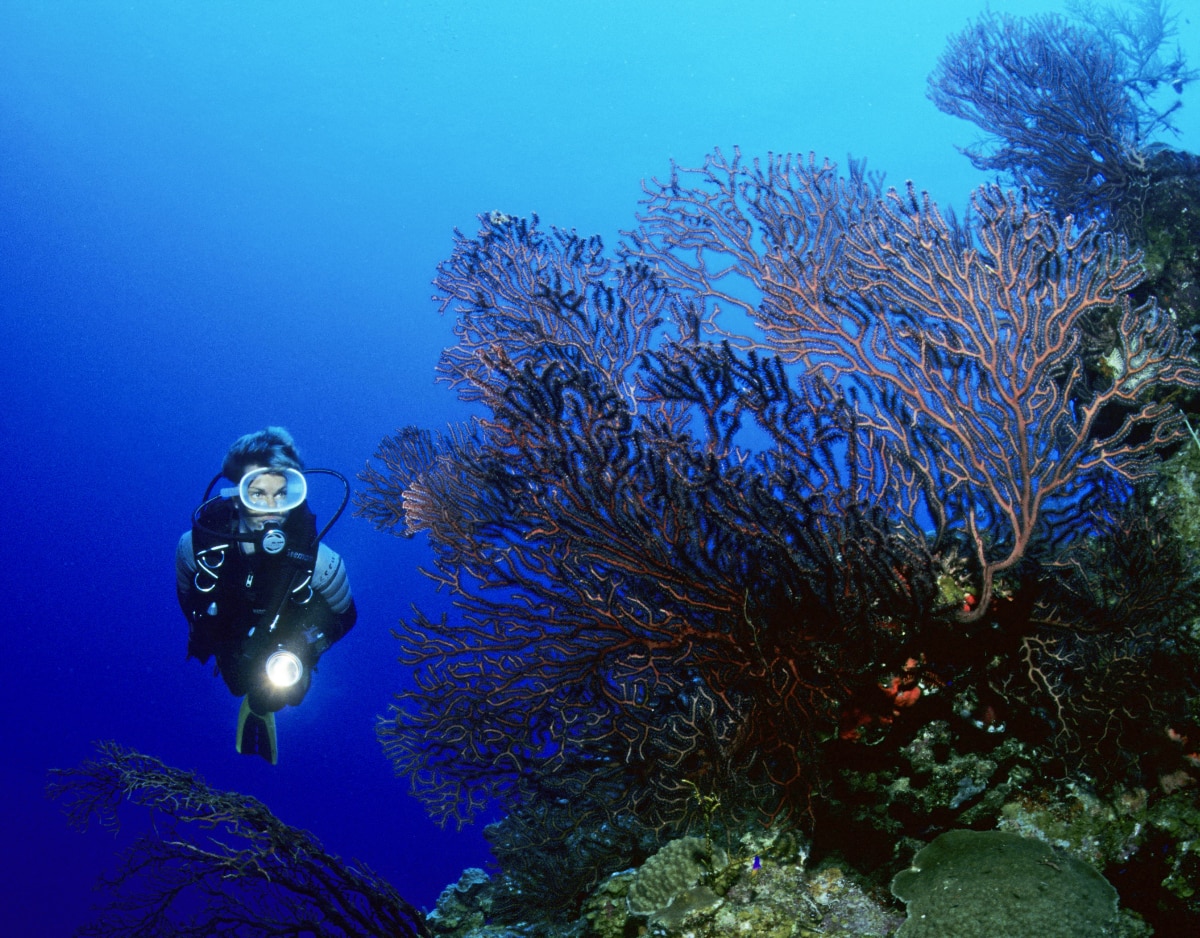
1049	95
965	341
643	599
220	863
1066	105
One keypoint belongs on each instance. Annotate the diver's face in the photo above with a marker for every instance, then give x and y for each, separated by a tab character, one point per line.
265	492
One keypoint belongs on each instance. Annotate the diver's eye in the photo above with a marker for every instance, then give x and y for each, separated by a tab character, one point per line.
261	497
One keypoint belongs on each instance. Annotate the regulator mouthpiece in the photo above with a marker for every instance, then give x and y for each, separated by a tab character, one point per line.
284	669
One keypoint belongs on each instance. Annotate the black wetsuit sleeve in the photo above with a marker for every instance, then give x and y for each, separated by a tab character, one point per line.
343	623
185	573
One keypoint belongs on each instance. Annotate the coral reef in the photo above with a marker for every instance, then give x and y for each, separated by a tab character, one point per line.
464	906
676	894
699	576
1168	230
1149	845
645	598
936	779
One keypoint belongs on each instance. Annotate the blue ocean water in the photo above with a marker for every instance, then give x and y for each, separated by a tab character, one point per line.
219	215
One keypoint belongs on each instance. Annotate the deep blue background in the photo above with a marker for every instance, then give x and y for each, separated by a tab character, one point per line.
218	215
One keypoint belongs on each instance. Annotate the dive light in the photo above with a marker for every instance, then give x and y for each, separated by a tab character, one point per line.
284	668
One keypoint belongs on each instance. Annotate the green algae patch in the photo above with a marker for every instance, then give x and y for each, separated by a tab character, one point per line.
988	883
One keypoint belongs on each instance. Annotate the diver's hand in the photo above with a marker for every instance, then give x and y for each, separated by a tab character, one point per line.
199	645
318	644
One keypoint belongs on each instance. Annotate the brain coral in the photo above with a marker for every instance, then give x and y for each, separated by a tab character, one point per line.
988	883
671	873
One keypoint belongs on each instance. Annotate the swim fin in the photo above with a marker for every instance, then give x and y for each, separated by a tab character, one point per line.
256	734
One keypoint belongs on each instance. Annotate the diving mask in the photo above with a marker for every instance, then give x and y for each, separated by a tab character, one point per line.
272	491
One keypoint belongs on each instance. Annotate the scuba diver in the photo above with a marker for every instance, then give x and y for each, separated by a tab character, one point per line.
262	592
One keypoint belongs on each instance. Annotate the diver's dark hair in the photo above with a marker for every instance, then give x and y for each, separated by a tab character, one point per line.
271	448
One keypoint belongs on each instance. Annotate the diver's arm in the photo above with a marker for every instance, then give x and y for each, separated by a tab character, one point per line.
185	571
333	585
200	633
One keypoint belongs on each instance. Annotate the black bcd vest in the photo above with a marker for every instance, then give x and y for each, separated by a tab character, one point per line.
236	594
